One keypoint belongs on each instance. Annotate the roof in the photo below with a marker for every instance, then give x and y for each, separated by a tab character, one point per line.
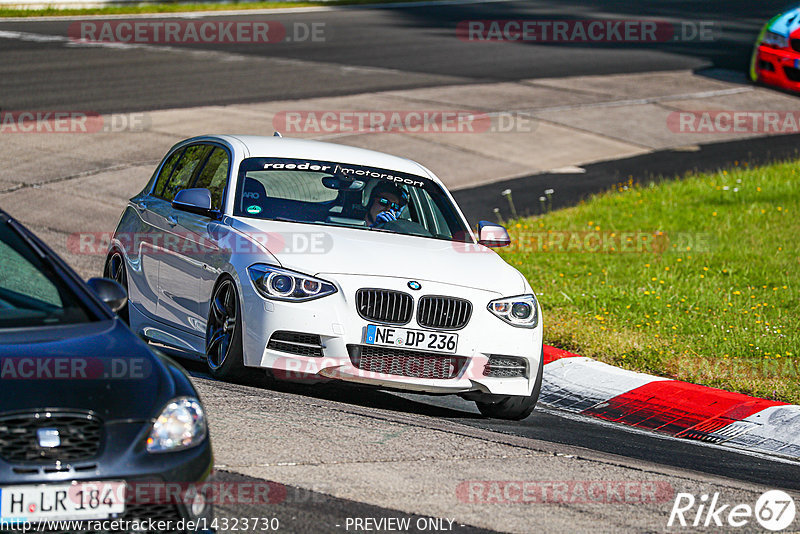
286	147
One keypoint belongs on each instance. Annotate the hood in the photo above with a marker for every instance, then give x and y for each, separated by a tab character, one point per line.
786	23
314	250
100	367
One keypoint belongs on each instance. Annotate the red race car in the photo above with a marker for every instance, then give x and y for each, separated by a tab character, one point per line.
776	59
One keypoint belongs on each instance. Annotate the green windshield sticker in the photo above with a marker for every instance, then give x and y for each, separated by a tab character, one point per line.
254	209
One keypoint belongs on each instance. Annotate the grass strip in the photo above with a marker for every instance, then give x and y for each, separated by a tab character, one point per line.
694	279
177	7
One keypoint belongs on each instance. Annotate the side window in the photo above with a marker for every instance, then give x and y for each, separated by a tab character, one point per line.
184	170
165	173
214	176
438	220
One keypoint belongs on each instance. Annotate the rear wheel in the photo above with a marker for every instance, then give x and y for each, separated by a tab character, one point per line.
513	407
115	270
224	353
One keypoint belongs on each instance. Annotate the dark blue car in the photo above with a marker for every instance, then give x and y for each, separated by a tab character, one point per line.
94	425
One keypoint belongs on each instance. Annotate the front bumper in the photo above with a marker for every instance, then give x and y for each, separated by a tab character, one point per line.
122	458
778	67
342	333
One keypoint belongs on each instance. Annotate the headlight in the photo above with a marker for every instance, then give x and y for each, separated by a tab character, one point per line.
775	40
182	424
517	311
281	284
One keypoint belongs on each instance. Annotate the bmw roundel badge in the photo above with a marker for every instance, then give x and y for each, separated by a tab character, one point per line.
414	285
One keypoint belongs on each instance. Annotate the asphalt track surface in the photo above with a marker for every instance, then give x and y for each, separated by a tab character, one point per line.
364	50
303	510
550	426
391	48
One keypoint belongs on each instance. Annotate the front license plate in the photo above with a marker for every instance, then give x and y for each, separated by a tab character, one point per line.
388	336
61	502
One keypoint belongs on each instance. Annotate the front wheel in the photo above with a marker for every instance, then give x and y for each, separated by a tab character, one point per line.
224	353
513	407
115	270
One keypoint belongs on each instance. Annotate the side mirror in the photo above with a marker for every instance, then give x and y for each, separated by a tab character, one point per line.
194	201
110	292
492	235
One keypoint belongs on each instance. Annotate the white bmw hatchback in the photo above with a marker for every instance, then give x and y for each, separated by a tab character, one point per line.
317	261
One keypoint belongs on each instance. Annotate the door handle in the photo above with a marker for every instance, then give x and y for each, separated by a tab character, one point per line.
172	220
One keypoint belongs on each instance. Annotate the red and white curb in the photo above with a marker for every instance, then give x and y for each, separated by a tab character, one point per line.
588	387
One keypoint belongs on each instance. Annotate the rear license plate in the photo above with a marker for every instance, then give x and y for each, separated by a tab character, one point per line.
388	336
62	502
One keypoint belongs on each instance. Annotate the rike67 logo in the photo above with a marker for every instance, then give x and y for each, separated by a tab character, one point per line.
774	510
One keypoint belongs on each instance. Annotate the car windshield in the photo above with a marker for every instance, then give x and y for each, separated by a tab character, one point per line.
334	194
31	292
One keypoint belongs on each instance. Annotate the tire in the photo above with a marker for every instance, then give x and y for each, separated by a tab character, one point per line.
115	270
513	407
224	353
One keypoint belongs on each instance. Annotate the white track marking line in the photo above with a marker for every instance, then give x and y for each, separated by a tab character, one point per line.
196	52
35	37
